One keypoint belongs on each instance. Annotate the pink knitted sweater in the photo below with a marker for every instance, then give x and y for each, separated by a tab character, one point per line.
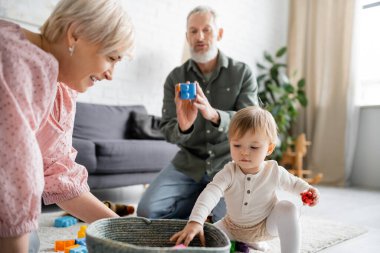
36	122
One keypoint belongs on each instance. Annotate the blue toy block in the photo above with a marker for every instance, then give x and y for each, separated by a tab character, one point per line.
80	249
81	241
65	221
188	90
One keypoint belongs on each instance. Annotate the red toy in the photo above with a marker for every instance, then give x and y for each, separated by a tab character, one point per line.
180	246
307	198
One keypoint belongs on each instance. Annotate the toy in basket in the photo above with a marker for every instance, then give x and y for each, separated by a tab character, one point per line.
137	235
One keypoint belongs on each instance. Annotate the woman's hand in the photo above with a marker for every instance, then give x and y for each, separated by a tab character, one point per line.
187	234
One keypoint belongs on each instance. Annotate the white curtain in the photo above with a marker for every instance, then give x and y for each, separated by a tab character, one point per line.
320	48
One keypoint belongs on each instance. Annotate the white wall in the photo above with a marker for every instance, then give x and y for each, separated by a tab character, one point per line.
250	27
366	169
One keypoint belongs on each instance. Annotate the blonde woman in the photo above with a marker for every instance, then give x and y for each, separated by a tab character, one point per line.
249	184
40	74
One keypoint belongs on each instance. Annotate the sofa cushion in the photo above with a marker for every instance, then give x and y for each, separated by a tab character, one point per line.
106	122
86	154
103	181
121	156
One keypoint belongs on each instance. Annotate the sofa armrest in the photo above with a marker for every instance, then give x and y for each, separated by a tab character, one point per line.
86	154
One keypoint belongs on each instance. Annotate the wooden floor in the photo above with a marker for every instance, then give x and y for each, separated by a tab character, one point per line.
347	205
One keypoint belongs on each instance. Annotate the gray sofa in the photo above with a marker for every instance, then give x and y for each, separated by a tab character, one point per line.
116	149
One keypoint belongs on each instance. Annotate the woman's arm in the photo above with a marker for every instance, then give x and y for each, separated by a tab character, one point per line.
15	244
87	208
65	180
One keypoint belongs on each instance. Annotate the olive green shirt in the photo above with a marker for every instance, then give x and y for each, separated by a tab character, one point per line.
204	148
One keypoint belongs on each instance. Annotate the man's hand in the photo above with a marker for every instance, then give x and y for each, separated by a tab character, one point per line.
187	234
186	112
207	111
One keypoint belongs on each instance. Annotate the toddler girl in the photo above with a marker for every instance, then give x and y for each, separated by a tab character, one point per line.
249	184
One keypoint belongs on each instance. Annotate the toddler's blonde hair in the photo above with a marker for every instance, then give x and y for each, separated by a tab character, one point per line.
253	119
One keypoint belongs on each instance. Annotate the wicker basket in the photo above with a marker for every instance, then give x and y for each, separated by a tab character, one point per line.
136	234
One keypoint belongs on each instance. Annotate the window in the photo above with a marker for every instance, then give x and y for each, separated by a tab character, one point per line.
369	53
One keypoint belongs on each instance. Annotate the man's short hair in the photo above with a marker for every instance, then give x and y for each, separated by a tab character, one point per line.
203	9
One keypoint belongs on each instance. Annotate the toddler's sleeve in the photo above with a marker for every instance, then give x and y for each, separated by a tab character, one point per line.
291	183
211	195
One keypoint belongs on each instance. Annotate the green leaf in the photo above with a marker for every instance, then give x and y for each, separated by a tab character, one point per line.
302	99
283	65
267	82
274	88
280	96
271	96
292	111
301	83
274	74
281	52
260	66
276	110
288	88
289	140
268	57
263	97
294	73
260	77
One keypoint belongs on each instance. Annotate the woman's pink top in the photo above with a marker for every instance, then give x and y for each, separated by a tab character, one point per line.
36	122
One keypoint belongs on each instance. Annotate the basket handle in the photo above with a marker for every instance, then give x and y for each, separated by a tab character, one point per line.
147	221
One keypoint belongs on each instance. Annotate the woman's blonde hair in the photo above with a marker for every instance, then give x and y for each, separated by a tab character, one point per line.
253	119
101	22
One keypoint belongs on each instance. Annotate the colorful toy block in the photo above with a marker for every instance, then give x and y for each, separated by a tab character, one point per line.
71	246
180	246
241	247
68	249
81	241
187	91
65	221
76	249
82	232
232	248
307	198
61	245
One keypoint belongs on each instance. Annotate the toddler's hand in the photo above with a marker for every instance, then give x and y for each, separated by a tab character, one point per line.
187	234
310	197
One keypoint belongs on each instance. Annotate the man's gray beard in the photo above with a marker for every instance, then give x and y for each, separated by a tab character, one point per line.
204	57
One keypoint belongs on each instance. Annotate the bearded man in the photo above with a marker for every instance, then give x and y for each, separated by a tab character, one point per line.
200	126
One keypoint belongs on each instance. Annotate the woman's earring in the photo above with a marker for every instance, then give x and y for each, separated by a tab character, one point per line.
71	50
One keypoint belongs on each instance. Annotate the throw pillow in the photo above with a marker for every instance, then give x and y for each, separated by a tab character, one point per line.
144	126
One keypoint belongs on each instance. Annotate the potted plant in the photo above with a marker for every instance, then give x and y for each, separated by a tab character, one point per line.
280	97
